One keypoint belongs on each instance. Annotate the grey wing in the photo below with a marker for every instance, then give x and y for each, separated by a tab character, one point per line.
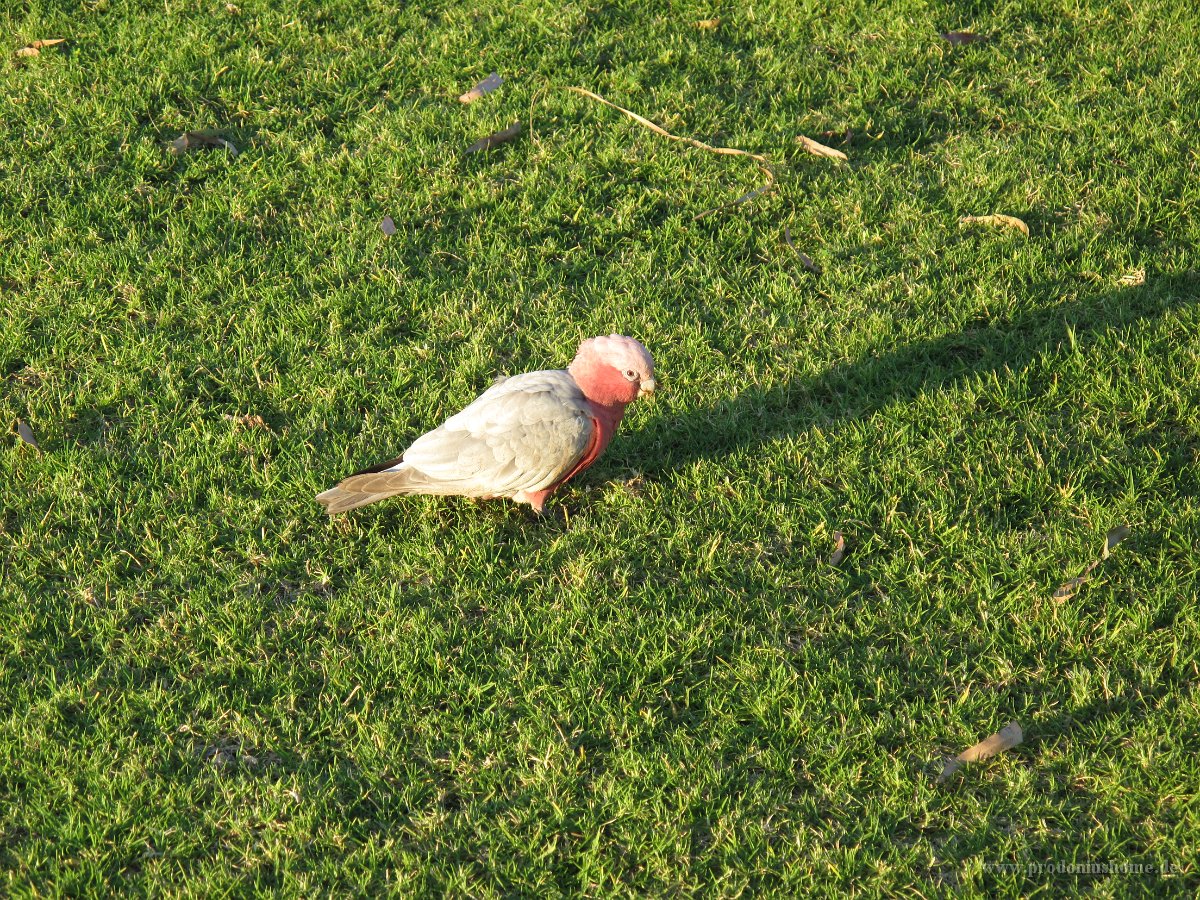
524	434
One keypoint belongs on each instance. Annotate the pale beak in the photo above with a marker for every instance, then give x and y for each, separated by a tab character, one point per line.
647	387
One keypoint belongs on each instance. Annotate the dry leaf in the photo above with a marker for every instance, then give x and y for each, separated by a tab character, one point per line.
37	47
1132	279
819	149
708	24
844	136
839	549
231	9
248	422
1113	538
961	38
805	259
1071	587
1004	739
388	225
503	136
486	86
1009	221
26	434
194	140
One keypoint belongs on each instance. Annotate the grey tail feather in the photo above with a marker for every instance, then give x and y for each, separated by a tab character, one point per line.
363	488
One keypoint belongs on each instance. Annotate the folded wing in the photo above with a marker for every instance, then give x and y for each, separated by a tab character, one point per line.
523	435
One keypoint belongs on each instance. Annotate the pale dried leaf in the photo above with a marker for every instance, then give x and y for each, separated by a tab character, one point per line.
194	140
36	48
248	422
839	549
708	24
1005	739
503	136
1132	279
1114	537
805	259
231	9
997	219
388	225
486	86
1070	588
961	38
845	136
819	149
26	433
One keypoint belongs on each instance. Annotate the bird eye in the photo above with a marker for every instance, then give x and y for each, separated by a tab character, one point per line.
630	374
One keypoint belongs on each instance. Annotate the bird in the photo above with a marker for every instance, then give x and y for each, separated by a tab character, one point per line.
521	439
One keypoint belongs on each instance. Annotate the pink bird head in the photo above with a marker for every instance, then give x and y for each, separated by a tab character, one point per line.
613	370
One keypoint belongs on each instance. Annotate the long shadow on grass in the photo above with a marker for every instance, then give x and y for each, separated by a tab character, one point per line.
858	390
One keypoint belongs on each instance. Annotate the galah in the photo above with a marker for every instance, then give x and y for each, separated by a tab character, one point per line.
521	439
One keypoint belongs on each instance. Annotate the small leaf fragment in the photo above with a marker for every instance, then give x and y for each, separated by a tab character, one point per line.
1114	537
486	86
503	136
36	48
232	9
388	225
839	549
805	259
997	219
708	24
1070	588
961	38
248	422
1132	279
1005	739
818	149
26	434
194	140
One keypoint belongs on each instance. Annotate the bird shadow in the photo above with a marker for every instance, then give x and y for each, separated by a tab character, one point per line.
756	416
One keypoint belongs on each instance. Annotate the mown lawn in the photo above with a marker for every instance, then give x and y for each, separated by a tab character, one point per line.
665	688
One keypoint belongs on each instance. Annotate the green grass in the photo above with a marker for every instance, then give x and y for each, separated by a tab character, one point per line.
207	689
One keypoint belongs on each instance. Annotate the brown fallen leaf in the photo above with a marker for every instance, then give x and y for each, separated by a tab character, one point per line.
845	136
1071	587
708	24
37	47
503	136
1004	739
248	422
961	38
805	259
26	434
839	549
1008	221
818	149
486	86
388	225
194	140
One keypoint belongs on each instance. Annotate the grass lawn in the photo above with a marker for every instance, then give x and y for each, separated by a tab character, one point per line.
665	688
